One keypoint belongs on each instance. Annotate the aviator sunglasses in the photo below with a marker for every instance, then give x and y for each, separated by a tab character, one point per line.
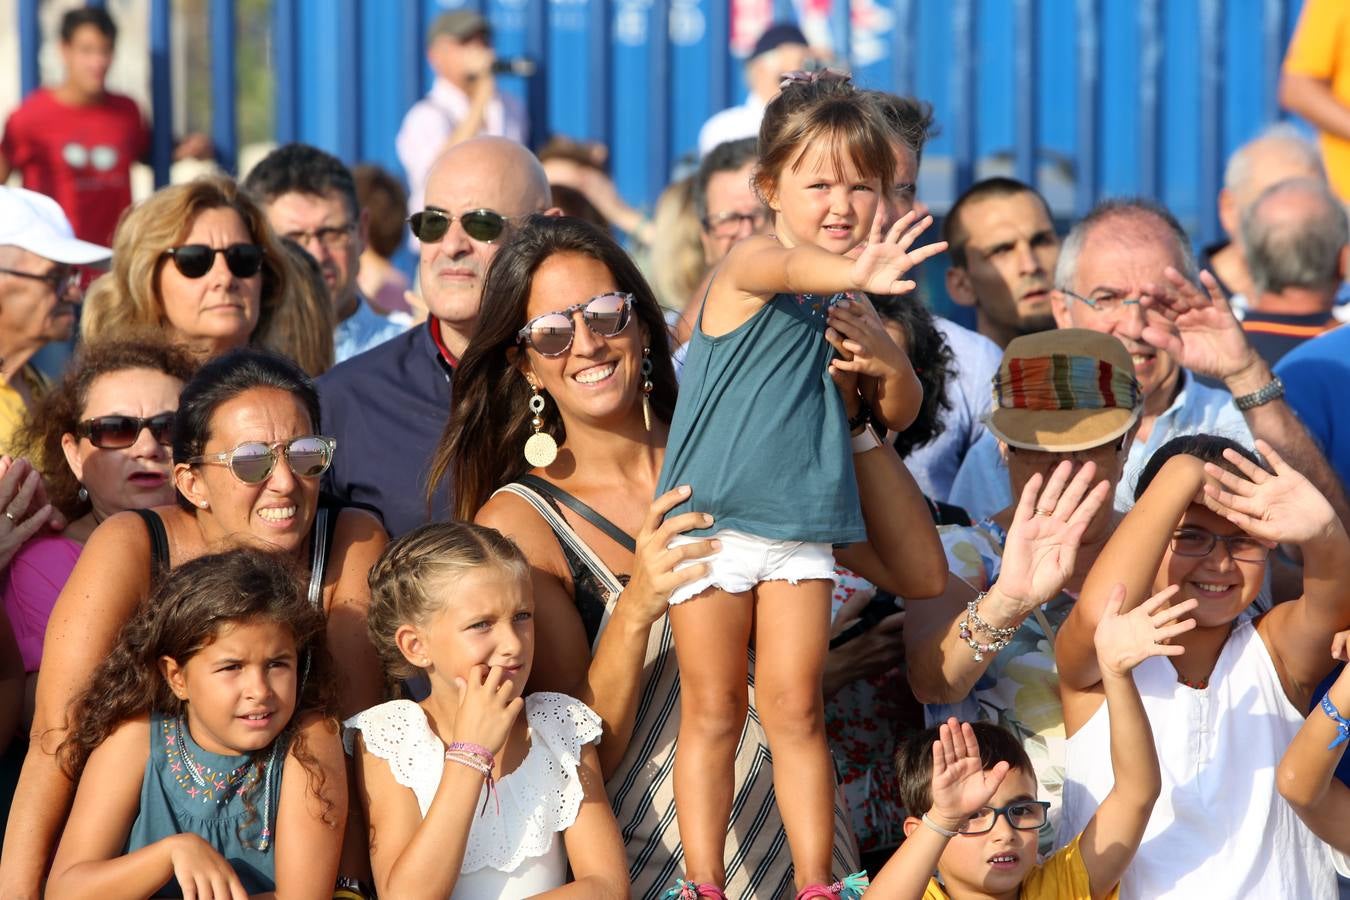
195	260
483	225
120	432
253	461
551	334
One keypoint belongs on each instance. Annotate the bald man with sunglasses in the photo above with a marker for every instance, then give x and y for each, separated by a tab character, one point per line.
387	407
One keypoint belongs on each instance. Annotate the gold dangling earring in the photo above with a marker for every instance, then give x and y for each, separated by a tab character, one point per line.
541	449
647	387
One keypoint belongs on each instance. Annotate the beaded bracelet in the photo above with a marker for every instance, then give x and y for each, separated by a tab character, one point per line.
973	616
1342	723
980	649
480	759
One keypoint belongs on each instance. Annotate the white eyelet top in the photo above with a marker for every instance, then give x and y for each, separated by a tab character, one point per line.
511	852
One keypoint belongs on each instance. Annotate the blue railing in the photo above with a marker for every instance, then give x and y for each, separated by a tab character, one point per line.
1090	97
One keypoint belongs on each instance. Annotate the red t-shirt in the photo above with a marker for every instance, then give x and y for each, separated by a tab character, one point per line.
81	156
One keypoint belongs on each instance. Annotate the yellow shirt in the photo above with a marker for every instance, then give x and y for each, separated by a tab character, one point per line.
1321	49
12	407
1061	877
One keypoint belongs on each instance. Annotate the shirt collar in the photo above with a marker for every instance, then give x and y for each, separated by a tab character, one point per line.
436	347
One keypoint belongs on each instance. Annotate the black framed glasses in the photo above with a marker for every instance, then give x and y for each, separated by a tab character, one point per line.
333	237
551	334
1024	815
1103	303
120	432
195	260
1195	541
62	279
483	225
252	462
730	223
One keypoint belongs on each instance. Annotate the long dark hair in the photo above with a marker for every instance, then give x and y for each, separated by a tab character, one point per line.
933	362
185	613
489	420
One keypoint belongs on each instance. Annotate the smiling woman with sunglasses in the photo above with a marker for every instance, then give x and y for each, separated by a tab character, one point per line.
197	261
248	451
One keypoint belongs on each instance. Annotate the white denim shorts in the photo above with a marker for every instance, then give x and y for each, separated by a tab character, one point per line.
745	560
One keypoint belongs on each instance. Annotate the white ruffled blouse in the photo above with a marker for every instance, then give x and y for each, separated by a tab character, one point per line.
511	852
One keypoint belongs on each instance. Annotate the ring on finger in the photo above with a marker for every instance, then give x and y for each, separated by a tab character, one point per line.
9	515
1044	512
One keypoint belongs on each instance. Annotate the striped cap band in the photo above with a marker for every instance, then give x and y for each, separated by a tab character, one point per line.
1060	381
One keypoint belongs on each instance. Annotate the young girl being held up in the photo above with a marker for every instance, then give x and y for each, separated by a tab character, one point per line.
761	434
208	762
463	794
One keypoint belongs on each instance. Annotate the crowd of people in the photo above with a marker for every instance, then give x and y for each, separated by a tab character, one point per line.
706	563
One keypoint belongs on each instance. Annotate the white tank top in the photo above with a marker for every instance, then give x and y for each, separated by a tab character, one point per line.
1220	829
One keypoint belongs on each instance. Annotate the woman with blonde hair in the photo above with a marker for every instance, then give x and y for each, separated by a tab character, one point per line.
197	261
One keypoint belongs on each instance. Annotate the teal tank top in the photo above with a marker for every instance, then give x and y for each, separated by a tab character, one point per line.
173	802
760	433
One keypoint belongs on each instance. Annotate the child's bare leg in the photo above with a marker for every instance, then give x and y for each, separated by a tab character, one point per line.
712	634
792	626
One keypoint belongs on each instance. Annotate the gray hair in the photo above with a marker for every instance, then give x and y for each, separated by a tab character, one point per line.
1301	251
1140	212
728	156
1289	139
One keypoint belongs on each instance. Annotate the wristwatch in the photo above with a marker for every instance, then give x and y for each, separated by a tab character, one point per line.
866	439
1272	390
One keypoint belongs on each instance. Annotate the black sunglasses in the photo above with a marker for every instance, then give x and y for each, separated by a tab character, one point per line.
195	260
120	432
483	225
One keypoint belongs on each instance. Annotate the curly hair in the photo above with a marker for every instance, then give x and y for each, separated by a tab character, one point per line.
60	410
933	363
128	298
414	578
188	611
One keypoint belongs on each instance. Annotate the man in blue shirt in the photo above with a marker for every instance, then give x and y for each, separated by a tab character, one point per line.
388	407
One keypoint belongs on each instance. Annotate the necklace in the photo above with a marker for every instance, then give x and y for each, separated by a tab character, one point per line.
1198	685
220	786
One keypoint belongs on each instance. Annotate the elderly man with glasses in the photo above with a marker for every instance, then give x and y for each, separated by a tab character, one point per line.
1127	270
39	292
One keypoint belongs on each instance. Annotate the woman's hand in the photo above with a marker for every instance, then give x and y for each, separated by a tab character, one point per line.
1340	646
654	574
884	260
961	786
860	337
1046	530
486	708
1124	641
202	872
1281	508
23	506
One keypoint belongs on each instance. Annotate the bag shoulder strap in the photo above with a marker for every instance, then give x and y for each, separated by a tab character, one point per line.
159	543
325	523
569	540
612	531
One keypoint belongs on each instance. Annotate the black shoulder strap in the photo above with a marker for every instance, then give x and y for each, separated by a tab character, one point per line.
159	543
618	535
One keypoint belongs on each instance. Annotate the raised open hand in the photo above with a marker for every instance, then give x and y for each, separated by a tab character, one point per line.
1047	528
960	783
1198	329
882	263
1283	507
1124	641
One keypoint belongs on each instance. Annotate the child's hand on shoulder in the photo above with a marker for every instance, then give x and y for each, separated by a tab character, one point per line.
1124	641
486	708
880	265
201	871
961	785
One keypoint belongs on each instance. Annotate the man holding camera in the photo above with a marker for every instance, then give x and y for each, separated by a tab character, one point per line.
463	102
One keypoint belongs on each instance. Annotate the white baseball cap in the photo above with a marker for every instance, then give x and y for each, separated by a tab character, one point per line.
35	222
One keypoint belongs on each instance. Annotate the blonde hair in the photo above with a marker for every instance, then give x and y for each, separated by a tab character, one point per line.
127	298
302	325
677	252
415	577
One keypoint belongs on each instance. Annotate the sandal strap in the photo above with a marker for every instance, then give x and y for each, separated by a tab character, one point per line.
851	888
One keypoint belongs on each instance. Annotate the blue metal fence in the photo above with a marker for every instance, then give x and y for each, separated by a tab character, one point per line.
1123	96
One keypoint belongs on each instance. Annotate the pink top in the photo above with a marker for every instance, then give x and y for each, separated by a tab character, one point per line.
36	575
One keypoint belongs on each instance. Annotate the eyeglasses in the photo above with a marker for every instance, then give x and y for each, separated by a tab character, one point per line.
1024	815
483	225
62	280
1108	303
728	224
333	237
551	334
195	260
1192	541
120	432
253	461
